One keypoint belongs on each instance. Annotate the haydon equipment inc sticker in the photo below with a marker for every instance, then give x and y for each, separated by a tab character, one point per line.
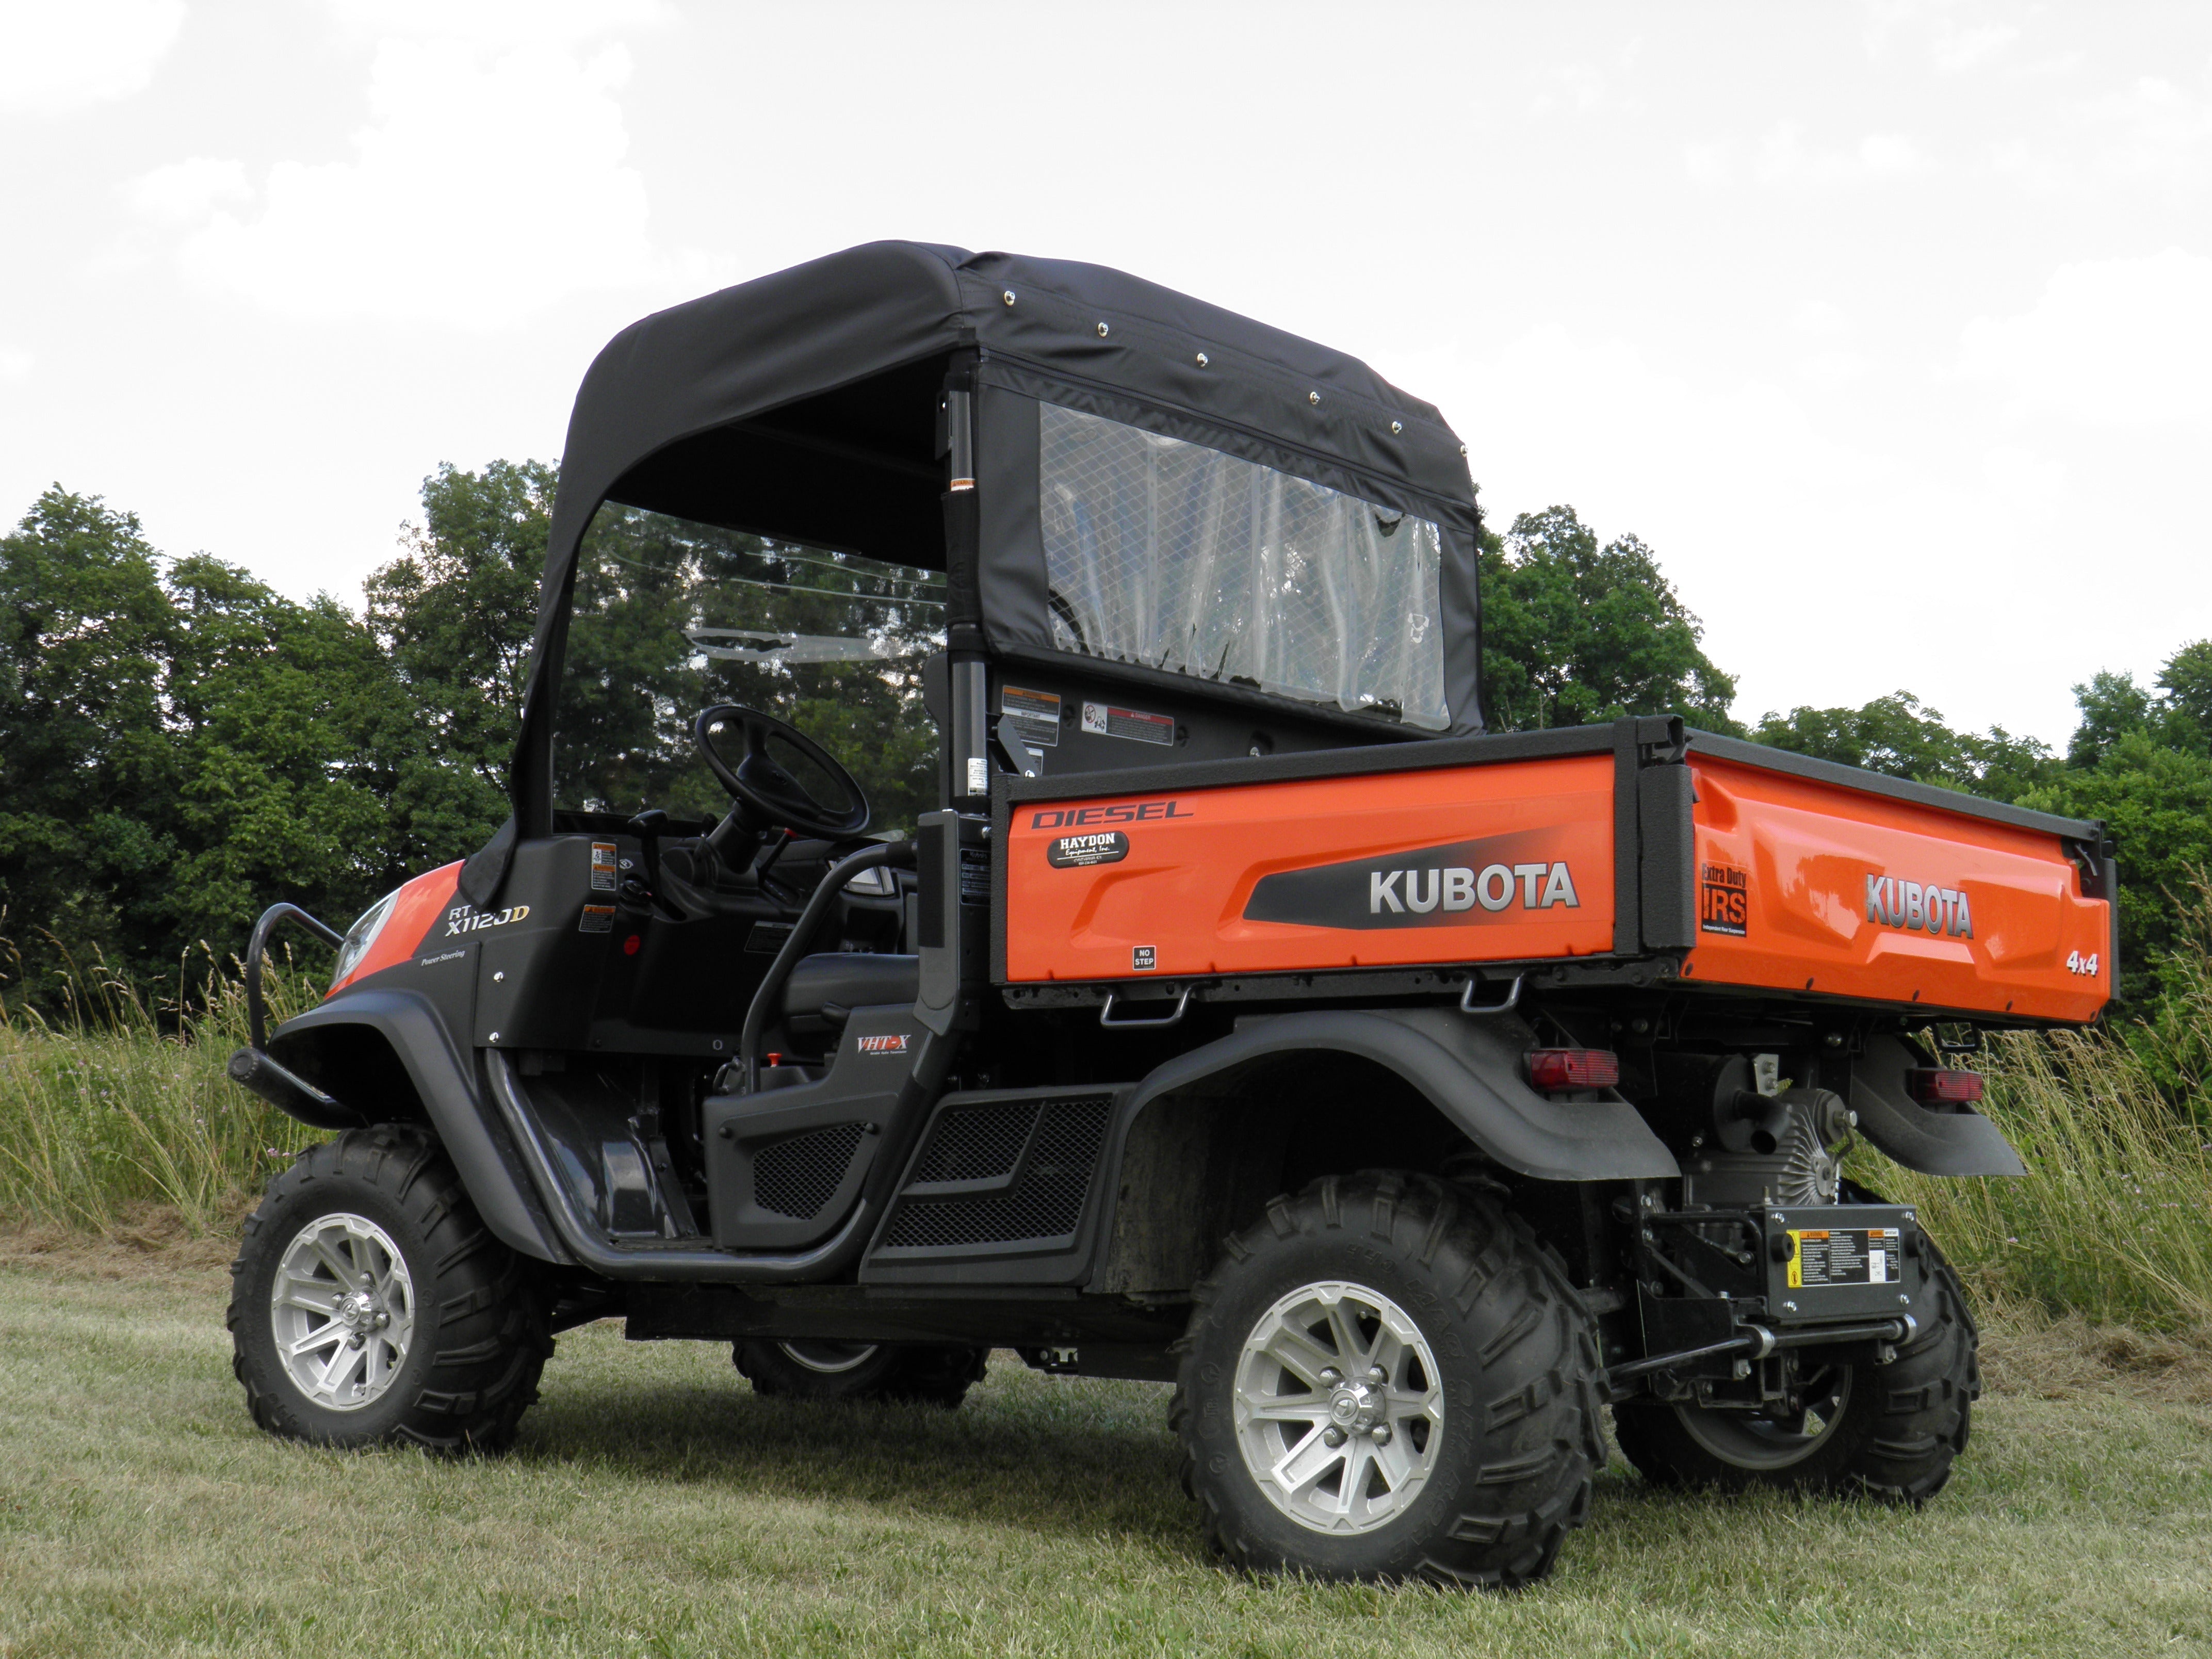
1080	852
1498	878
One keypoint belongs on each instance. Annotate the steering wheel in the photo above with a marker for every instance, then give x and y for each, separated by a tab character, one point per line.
775	796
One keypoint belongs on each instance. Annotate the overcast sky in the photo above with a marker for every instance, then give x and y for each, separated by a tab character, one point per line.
1889	326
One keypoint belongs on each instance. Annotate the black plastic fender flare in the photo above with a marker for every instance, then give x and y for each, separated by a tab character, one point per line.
490	1166
1467	1066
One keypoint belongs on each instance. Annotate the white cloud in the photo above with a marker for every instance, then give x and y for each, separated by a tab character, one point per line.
490	184
2154	126
1832	369
1959	49
498	22
1580	86
1817	317
184	191
1954	43
1707	162
2120	342
61	55
15	365
1782	157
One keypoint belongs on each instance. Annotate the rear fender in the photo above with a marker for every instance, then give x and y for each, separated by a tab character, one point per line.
1469	1068
445	1091
1173	1185
1959	1143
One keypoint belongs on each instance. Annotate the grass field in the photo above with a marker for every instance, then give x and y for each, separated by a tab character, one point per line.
655	1506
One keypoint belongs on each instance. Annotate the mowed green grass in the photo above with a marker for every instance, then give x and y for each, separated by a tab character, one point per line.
655	1506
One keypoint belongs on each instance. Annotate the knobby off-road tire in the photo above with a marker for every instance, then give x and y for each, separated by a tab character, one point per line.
1893	1436
912	1373
1487	1362
457	1319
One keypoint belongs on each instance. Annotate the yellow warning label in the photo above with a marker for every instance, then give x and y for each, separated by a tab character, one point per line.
1868	1255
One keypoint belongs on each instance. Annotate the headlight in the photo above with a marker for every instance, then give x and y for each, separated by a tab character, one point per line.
361	935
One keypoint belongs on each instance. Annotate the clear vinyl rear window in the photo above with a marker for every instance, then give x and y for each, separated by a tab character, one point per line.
1180	557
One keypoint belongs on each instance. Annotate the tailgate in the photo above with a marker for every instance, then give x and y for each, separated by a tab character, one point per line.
1819	878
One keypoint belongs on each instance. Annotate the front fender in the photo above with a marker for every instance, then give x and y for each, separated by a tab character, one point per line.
1468	1068
445	1081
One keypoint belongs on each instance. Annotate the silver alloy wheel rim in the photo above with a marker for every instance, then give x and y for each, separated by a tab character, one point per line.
343	1312
1747	1442
1339	1408
830	1358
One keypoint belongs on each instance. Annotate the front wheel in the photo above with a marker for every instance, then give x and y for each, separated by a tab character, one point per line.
1390	1378
1887	1432
370	1305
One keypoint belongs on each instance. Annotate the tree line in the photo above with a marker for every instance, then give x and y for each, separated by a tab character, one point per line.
181	745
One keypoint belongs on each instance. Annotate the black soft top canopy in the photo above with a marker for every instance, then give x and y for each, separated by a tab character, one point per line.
807	406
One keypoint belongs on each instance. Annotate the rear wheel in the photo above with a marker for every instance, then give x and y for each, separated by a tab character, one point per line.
1390	1378
369	1304
930	1374
1889	1431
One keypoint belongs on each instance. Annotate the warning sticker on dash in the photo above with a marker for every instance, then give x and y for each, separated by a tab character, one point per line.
1857	1255
603	866
1035	715
1105	721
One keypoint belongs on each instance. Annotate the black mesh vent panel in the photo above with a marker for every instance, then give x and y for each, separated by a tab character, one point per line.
1046	1202
796	1177
976	1143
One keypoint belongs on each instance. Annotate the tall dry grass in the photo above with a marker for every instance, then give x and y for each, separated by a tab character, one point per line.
2113	1220
107	1106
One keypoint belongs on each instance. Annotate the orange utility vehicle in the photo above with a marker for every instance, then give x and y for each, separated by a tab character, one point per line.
1238	1013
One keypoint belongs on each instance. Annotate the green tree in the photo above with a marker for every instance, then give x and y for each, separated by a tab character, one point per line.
2157	803
278	713
1901	736
180	747
1575	633
85	769
456	609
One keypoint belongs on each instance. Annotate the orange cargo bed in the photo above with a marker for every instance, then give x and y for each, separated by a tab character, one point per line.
1575	854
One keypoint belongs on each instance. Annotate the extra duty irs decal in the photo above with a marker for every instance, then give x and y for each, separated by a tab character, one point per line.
1498	878
1723	900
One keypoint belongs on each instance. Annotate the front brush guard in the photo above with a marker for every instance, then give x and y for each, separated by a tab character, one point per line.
252	1066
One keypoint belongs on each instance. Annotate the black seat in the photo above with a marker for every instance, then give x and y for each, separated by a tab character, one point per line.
824	988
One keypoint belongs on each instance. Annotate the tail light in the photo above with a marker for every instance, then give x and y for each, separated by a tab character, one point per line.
1931	1087
1554	1069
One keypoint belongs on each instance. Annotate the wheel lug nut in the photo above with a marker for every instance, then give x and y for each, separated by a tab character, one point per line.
1377	1376
1380	1434
1330	1376
1333	1435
